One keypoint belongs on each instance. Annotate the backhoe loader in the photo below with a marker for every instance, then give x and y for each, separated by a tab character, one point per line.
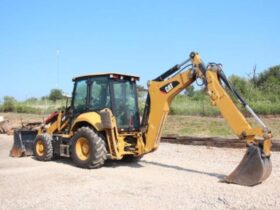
103	120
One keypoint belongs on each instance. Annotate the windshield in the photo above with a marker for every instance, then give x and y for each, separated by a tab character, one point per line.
125	104
99	93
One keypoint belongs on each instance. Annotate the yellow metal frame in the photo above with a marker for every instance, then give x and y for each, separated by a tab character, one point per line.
91	118
58	125
116	141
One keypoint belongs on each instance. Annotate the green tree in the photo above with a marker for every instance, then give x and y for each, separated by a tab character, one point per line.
140	88
272	72
239	83
269	81
141	91
55	95
31	100
44	98
9	104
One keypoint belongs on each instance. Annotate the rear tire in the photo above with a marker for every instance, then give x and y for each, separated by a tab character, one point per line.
43	149
88	149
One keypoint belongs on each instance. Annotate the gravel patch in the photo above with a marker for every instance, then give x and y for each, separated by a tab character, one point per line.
173	177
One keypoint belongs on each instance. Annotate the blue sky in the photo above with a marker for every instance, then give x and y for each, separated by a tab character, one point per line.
144	38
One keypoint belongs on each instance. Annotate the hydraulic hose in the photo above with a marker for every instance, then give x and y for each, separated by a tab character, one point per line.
229	86
241	100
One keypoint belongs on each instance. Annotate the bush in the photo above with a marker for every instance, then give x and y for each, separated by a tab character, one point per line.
55	95
27	109
183	105
9	104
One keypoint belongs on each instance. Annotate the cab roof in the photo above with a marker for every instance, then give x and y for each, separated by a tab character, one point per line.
111	75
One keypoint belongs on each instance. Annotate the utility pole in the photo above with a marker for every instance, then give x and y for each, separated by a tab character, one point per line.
57	67
254	75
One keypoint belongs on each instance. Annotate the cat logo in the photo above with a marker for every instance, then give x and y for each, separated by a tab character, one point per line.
168	87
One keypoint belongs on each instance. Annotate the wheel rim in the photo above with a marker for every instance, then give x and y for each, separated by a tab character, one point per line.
40	149
82	148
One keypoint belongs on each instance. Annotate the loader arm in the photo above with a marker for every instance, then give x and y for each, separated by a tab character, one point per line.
256	165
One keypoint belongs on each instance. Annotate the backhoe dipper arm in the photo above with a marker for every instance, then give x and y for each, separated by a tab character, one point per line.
256	165
212	77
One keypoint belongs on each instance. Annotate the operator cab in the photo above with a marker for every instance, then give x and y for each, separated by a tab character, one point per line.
110	90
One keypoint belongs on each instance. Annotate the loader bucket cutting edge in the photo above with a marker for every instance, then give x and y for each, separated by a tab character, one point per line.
253	168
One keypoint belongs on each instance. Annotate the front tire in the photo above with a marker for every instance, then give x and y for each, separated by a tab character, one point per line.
88	149
43	149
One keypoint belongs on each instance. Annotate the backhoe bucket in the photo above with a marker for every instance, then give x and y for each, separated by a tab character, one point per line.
253	168
23	143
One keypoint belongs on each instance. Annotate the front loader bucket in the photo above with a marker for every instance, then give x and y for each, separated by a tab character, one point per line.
253	168
23	143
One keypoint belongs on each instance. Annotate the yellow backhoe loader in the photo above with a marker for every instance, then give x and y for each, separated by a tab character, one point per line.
103	120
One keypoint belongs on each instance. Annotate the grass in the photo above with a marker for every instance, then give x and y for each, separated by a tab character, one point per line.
34	106
201	105
210	126
182	105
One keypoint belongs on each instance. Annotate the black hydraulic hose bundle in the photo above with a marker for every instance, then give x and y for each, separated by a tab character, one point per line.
229	86
162	77
168	73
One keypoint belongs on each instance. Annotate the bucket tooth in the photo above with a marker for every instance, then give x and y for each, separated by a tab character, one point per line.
253	168
16	152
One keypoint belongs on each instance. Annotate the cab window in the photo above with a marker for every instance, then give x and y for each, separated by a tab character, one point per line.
99	93
80	96
125	104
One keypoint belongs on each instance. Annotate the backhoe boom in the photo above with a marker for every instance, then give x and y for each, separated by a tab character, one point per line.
256	165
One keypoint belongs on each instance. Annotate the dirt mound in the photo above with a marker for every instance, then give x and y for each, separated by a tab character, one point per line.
5	127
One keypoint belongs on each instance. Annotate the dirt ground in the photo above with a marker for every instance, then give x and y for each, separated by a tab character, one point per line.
173	177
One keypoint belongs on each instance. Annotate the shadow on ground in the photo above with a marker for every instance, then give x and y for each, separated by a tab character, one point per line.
61	160
120	163
219	176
